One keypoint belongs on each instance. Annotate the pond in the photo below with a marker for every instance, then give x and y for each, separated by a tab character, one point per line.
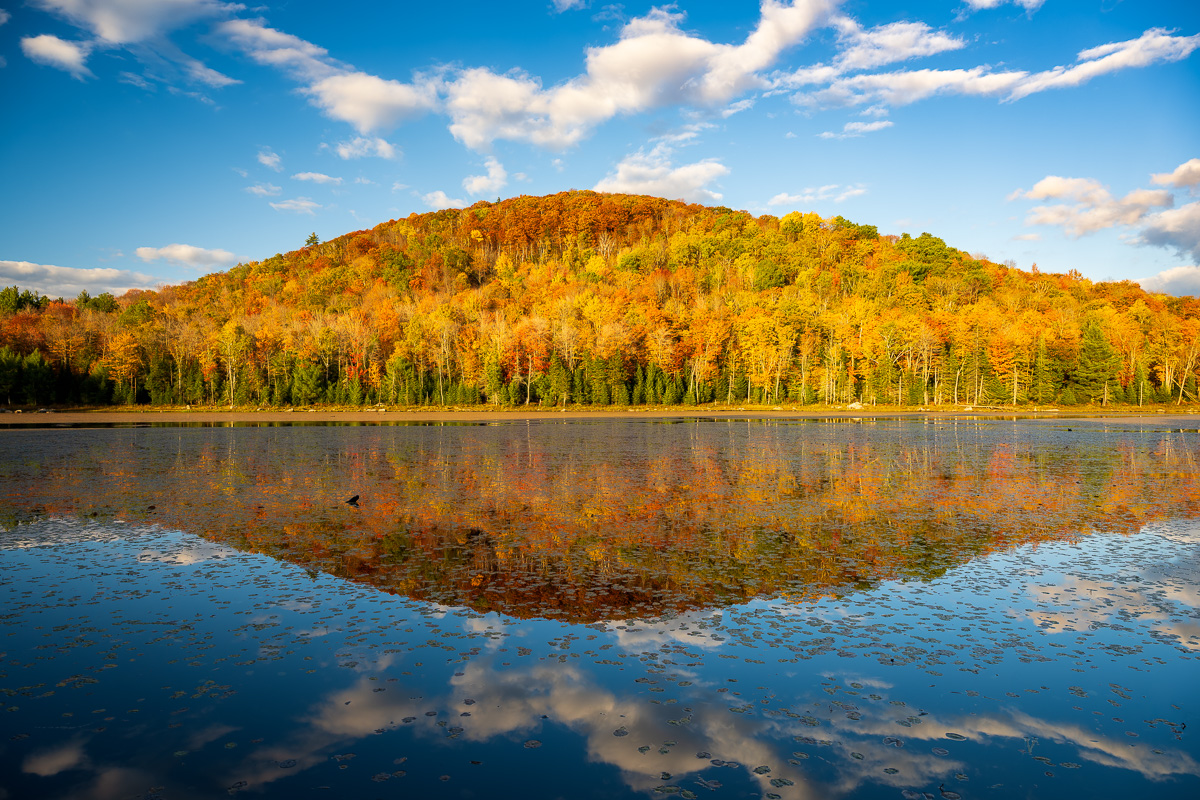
610	608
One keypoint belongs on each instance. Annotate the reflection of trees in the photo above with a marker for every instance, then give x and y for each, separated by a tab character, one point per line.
596	520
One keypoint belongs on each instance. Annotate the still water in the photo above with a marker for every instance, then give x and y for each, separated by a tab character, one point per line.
705	608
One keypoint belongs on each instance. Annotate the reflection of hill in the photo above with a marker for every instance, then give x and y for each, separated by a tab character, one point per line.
587	521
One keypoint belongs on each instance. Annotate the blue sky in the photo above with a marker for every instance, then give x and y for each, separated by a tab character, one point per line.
153	141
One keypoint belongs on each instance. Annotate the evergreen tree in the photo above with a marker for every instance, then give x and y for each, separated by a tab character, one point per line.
1042	390
1097	364
36	378
560	380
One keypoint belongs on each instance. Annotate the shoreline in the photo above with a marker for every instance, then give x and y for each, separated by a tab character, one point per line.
210	416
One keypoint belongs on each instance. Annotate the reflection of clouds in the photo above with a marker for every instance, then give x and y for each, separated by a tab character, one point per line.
692	628
191	551
1089	744
56	760
1076	602
209	734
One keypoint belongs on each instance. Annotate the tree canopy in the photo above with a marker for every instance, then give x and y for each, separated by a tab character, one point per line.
596	299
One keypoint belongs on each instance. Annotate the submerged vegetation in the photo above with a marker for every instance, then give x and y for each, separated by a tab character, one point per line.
596	299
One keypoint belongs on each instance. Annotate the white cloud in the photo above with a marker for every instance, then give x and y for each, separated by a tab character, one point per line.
136	80
52	51
566	5
1155	45
1178	281
1029	5
1186	174
1028	237
1094	208
187	255
1087	207
302	60
141	26
360	147
264	189
653	173
889	44
68	282
317	177
438	200
270	159
495	179
903	88
736	108
653	64
855	129
909	86
369	102
1178	228
829	193
4	16
129	21
298	205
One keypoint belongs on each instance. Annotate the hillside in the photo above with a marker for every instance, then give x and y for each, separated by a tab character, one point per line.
586	298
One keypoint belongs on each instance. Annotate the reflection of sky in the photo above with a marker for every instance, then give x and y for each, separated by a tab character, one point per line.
278	679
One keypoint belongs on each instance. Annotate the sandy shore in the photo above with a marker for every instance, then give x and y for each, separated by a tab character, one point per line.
1181	416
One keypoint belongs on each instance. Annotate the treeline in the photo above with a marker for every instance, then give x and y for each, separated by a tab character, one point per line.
595	299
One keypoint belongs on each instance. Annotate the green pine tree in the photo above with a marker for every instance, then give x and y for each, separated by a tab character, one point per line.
1097	364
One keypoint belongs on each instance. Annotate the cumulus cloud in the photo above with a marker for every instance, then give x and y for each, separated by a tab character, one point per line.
855	129
317	177
1177	228
654	173
438	200
495	179
1086	206
1092	207
889	44
187	255
1178	281
830	192
361	146
369	102
270	159
4	16
298	205
68	282
264	189
52	51
653	64
1186	174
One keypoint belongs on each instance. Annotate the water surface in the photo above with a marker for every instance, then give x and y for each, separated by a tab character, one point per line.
626	608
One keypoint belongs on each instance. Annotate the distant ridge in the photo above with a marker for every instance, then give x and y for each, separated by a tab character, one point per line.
609	299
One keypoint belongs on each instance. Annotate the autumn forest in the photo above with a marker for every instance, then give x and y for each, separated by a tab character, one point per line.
583	298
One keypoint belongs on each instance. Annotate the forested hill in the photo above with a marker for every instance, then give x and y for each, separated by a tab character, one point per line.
586	298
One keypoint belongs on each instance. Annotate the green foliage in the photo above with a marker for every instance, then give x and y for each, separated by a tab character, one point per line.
10	373
36	378
104	302
12	300
1096	367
